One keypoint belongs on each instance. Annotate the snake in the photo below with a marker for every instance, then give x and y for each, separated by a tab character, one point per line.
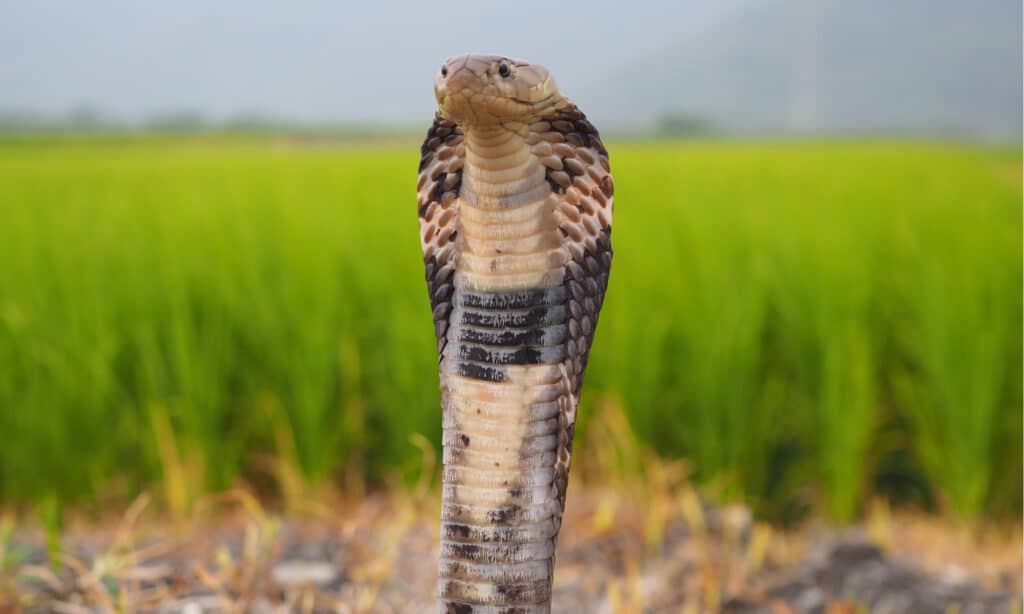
515	207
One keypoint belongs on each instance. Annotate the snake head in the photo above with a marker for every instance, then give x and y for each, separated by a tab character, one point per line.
487	90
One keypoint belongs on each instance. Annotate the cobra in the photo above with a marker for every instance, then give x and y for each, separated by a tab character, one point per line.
515	209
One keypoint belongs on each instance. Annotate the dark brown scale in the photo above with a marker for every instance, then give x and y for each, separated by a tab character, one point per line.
505	515
573	166
586	300
608	186
538	316
556	187
562	126
475	371
436	192
513	299
528	336
585	127
571	113
566	433
443	292
439	123
532	355
576	289
454	191
575	270
574	139
575	309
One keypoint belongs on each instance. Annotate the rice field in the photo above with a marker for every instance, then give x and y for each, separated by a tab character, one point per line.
808	326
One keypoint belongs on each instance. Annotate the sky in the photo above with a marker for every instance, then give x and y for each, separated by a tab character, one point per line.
310	60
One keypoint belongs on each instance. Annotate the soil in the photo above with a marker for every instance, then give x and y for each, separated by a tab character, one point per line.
379	555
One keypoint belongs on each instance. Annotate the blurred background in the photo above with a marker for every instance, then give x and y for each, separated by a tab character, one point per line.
210	273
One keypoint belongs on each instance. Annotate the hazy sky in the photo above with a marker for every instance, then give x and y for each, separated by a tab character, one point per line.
310	60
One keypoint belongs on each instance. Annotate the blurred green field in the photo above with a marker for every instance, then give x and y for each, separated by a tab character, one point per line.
809	324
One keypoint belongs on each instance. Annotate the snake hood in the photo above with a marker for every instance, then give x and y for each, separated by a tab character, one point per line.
482	90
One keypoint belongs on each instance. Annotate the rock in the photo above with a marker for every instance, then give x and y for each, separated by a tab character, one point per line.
197	603
810	601
854	554
294	573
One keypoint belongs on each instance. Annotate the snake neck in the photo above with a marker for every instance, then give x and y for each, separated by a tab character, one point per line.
502	171
503	384
508	231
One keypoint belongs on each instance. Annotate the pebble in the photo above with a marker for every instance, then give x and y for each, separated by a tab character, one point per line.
330	569
293	573
861	574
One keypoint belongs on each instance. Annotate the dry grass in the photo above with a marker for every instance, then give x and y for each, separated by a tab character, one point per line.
622	553
626	544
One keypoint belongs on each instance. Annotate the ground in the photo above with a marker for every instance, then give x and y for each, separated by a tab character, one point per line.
378	555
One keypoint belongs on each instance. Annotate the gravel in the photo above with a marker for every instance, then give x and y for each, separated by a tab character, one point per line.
380	557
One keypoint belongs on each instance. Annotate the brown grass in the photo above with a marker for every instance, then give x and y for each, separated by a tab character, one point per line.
627	543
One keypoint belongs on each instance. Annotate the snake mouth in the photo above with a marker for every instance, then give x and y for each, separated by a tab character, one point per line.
482	109
543	102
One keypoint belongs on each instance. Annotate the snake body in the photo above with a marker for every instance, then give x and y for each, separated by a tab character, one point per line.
515	205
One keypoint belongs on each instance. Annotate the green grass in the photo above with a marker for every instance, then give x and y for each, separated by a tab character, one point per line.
809	324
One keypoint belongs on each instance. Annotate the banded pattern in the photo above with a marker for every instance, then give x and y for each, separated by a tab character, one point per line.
495	329
515	224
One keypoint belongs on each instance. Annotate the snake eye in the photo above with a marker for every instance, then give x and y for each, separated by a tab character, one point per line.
444	71
504	70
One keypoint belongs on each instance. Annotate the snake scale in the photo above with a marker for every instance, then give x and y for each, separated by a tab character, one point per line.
515	207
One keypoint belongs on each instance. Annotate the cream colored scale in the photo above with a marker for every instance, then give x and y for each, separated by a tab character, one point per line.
507	239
